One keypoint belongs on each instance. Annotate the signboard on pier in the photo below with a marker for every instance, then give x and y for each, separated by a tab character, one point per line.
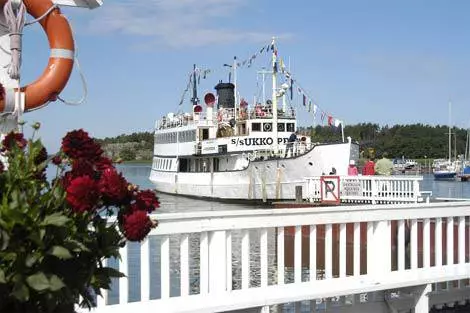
329	189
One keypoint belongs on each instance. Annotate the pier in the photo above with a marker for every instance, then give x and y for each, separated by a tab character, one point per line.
358	258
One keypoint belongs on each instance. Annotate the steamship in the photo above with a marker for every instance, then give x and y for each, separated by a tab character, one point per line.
231	150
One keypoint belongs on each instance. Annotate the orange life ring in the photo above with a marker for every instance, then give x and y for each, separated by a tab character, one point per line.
57	73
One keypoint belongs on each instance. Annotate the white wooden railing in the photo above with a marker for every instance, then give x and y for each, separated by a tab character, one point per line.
371	189
228	260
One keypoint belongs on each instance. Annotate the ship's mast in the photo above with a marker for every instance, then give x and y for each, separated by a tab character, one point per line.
450	133
194	99
274	97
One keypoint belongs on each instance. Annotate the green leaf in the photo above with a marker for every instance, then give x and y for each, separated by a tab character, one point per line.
60	252
56	283
21	292
38	282
5	240
2	277
111	272
56	219
31	259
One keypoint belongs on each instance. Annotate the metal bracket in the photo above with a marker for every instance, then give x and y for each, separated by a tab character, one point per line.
90	4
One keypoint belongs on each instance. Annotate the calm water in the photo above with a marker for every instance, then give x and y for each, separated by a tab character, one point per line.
139	173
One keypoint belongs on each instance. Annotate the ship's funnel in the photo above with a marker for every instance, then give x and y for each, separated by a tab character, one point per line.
209	99
225	92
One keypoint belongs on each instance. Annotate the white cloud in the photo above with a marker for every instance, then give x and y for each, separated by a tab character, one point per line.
176	23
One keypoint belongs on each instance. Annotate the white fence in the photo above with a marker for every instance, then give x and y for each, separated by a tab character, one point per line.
371	189
228	260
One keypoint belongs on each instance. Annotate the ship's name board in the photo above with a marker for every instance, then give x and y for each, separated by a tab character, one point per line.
257	141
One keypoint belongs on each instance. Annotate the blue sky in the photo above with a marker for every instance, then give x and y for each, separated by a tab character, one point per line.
387	62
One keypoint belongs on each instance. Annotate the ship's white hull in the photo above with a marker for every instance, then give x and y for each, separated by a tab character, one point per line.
273	179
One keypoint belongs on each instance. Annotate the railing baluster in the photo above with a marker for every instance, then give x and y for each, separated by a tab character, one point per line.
264	257
342	250
426	243
145	270
328	251
370	247
357	249
228	258
280	255
204	263
245	259
184	265
124	281
438	241
401	245
313	252
450	241
414	244
103	300
165	266
298	254
461	239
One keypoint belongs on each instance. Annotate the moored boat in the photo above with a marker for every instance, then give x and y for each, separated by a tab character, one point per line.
232	150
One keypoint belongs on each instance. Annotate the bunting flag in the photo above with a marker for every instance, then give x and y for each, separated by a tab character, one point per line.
322	116
315	108
304	100
309	105
330	120
249	61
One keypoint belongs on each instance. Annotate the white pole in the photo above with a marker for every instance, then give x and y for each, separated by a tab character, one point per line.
342	130
274	97
234	67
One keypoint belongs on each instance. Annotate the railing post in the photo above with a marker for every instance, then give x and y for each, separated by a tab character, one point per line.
416	190
378	243
422	303
217	262
373	188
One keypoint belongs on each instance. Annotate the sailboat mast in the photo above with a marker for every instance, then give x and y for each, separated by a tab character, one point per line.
450	134
194	99
274	97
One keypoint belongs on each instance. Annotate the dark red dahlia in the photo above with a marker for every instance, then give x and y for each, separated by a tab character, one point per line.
82	167
136	225
41	156
146	200
13	139
103	163
77	144
57	160
113	187
82	194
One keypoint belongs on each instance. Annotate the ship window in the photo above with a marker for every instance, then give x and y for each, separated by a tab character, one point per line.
290	127
256	127
171	163
267	127
281	127
205	134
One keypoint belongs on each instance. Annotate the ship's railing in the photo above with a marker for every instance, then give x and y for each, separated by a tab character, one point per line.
298	148
227	260
370	189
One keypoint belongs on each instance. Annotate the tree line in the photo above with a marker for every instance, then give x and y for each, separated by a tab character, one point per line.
416	141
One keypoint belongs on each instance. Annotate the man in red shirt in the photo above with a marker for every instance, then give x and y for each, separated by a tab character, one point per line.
368	168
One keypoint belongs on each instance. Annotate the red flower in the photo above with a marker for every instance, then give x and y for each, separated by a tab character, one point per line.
113	187
57	160
41	156
82	167
77	144
136	226
146	200
103	163
14	139
82	194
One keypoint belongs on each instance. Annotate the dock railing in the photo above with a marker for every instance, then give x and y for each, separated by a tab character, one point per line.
371	189
230	260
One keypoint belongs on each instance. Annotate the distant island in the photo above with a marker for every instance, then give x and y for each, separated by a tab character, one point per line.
415	141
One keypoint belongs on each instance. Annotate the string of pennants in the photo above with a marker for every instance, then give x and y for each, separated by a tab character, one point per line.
306	99
200	73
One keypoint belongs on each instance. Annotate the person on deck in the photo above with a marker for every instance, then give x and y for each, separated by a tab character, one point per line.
368	168
384	166
290	144
352	169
